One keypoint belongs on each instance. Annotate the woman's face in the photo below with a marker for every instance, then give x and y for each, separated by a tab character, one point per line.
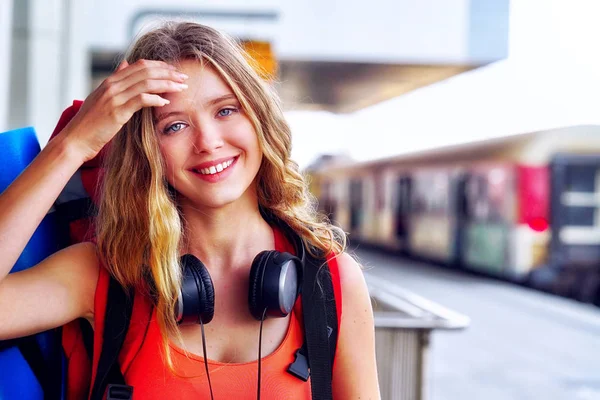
209	145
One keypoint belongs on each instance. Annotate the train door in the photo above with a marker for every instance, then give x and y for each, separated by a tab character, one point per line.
575	222
430	230
403	207
460	202
487	226
356	205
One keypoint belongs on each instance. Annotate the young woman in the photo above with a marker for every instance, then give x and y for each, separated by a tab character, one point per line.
198	147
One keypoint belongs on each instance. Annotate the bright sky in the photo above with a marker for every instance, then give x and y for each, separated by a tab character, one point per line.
551	78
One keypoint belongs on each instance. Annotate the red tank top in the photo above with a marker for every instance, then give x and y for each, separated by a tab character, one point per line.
141	358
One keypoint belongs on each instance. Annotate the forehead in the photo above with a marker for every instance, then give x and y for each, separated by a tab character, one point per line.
204	84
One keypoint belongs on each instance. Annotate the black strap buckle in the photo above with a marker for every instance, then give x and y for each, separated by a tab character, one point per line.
299	368
119	392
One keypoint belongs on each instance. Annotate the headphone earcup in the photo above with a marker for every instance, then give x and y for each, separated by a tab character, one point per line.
206	308
197	298
257	271
274	284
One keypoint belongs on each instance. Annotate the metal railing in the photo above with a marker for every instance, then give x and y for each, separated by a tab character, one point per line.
403	325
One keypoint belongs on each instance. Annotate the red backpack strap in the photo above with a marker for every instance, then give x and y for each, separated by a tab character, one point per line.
66	117
78	369
74	204
75	208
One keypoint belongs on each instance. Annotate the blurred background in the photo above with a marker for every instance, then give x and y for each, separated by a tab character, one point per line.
456	141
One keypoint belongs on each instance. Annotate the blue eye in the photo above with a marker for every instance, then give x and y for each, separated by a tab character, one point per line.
176	127
226	112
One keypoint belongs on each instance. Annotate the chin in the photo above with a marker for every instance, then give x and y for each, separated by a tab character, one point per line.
217	200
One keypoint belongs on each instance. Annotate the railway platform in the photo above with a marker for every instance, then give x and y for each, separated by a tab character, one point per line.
520	343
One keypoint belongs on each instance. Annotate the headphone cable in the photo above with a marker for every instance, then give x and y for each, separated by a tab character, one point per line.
259	352
205	360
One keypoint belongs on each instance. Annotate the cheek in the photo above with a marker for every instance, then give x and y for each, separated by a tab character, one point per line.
255	144
249	138
169	156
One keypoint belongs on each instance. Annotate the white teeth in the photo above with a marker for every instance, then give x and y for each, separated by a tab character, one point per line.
215	168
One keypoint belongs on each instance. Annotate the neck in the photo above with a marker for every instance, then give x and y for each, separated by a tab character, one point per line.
226	238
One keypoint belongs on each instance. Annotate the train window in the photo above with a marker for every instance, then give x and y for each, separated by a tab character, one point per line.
486	195
579	216
498	193
477	198
356	203
422	197
325	189
404	195
417	202
328	198
462	199
430	194
581	178
580	195
379	192
356	193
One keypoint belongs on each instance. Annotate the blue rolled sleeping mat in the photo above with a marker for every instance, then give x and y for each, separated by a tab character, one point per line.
31	367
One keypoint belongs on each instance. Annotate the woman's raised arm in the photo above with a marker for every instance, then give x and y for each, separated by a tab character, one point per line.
26	201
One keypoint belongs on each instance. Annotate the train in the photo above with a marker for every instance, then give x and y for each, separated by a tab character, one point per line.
522	208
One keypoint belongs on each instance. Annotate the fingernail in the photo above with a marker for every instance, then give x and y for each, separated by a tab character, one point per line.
182	75
182	85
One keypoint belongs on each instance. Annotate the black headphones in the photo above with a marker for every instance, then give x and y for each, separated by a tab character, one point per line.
275	282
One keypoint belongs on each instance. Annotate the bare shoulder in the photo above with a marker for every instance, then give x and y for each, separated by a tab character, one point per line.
80	266
350	272
79	260
355	370
56	291
85	251
355	295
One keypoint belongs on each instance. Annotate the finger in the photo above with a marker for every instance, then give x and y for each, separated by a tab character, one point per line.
140	65
116	88
152	86
152	74
122	65
156	86
152	80
143	100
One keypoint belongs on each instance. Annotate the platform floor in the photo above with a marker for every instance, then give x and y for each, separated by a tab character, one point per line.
521	344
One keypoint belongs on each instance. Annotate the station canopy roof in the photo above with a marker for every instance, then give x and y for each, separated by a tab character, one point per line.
338	87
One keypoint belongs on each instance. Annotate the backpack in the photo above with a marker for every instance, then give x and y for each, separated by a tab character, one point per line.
76	206
31	366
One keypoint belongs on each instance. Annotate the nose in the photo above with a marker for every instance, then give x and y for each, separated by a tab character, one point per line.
207	138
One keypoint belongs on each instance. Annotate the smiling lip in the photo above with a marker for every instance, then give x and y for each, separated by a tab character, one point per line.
212	163
217	176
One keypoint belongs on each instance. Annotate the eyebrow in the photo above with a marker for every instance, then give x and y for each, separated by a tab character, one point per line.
209	103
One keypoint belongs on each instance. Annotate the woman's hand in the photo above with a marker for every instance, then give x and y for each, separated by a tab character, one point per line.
129	89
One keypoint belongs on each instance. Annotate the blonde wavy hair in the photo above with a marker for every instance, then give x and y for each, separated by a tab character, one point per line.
139	227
